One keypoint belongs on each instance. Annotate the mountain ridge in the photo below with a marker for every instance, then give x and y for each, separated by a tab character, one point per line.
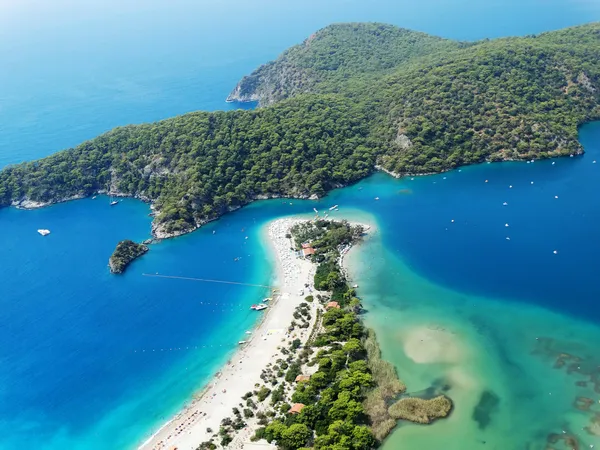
336	51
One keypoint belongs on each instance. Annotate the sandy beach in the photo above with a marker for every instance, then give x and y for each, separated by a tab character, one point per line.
241	374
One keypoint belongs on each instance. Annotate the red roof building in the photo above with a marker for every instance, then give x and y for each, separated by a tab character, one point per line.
332	305
296	408
308	251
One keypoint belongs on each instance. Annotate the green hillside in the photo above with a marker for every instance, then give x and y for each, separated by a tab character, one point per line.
334	55
383	96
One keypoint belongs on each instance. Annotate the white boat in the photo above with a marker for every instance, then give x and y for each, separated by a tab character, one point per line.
315	210
259	307
376	198
94	197
44	232
242	342
267	299
355	286
333	207
504	204
113	203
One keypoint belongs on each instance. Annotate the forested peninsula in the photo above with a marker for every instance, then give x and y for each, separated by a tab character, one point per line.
350	99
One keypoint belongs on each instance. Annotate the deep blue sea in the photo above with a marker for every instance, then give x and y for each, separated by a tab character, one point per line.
93	361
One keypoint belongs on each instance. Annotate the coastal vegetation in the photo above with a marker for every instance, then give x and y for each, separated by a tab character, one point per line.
334	392
124	255
350	99
421	410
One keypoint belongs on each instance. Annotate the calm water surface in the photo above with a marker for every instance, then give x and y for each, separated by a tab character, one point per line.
94	361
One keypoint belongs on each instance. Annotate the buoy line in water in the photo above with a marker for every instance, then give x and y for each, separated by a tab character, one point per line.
174	349
207	280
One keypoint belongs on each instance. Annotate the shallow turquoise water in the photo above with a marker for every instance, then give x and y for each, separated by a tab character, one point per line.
93	361
506	349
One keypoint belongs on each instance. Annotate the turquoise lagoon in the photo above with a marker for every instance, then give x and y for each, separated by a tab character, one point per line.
93	361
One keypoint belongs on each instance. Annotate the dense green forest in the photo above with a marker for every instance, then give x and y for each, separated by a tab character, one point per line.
351	98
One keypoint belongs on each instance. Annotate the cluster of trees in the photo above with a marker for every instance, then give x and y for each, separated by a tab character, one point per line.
334	394
409	102
125	252
328	237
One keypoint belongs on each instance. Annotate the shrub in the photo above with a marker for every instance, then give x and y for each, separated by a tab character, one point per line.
226	440
263	393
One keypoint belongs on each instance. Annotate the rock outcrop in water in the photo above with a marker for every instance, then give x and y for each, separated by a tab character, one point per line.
124	254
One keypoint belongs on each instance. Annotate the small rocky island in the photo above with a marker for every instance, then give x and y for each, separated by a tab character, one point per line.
124	254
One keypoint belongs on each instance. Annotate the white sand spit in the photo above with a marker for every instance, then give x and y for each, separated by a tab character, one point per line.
189	428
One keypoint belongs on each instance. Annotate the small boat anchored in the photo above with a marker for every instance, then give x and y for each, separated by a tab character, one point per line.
267	299
259	307
333	207
44	232
113	203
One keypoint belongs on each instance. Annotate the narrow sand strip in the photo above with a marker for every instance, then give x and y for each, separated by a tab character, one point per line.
189	428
